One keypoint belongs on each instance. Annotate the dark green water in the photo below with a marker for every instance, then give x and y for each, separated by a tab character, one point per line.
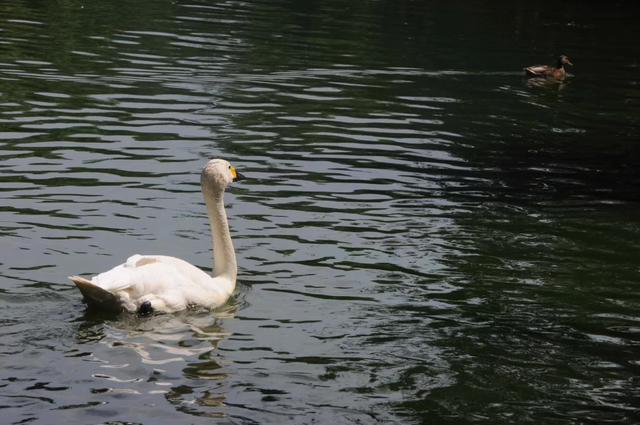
424	237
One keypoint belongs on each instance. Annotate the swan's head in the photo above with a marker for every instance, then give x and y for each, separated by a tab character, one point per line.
218	174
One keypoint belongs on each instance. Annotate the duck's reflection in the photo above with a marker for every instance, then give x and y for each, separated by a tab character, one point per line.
546	83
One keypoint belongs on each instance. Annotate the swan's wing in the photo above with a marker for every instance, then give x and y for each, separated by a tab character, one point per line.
125	275
144	274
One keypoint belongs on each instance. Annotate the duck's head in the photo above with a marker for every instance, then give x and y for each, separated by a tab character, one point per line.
563	60
217	174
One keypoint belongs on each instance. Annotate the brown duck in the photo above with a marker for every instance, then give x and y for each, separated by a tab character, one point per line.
547	71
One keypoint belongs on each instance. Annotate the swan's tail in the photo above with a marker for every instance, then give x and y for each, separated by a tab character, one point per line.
96	296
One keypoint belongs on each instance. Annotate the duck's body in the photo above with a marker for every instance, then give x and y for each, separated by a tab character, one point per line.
146	283
556	72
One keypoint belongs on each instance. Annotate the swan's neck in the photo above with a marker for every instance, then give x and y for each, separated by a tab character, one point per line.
224	257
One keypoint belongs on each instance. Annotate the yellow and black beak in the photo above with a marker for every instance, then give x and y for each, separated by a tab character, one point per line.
236	175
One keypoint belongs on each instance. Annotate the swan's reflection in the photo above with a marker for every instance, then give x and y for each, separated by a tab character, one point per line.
172	356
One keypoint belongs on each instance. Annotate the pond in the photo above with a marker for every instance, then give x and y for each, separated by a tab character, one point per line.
424	236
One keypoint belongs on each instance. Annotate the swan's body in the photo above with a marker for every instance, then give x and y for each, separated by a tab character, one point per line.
161	283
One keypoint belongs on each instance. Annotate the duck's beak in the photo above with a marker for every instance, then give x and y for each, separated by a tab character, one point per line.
569	62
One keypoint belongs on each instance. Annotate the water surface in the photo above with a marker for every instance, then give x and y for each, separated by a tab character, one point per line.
424	237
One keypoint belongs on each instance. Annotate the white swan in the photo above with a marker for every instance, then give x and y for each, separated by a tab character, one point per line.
147	283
